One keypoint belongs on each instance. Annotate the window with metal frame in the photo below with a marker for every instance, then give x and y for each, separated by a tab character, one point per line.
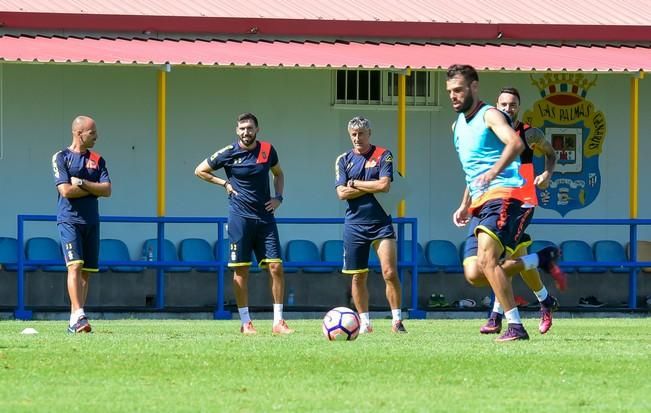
375	87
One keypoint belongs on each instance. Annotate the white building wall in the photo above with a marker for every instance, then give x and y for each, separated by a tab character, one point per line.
296	116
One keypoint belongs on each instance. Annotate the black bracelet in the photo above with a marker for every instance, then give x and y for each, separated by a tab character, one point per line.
227	182
279	198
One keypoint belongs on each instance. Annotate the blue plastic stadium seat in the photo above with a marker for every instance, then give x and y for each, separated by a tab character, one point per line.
9	254
423	265
226	251
197	249
610	251
643	253
538	244
169	253
115	250
302	250
444	255
577	250
44	248
333	251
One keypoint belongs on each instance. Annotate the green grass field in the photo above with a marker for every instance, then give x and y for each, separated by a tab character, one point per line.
582	365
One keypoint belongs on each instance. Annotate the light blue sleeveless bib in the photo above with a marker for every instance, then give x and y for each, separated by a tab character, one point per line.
479	149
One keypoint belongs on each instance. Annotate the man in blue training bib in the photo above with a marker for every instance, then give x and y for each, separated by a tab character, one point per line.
362	172
80	177
489	151
247	163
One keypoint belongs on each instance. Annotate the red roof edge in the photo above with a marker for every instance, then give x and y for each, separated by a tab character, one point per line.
320	28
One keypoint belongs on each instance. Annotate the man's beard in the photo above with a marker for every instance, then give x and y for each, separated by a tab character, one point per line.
467	104
247	140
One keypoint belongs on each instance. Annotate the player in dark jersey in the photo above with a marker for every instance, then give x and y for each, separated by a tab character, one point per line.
251	224
508	101
360	173
80	177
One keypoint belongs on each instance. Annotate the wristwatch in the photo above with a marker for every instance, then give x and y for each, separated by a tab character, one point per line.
279	198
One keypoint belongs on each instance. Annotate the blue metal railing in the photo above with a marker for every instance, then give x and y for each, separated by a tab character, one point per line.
220	262
633	264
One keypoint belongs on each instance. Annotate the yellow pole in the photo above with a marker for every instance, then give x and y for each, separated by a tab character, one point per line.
402	133
162	95
635	109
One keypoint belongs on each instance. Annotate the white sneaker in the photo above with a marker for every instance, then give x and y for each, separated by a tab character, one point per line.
365	328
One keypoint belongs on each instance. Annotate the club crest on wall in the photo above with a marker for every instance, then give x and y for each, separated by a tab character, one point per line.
576	130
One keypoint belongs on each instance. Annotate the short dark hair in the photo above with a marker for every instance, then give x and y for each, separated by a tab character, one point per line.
468	72
248	116
511	91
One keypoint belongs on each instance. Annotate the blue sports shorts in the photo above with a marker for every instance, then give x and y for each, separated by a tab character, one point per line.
504	220
247	235
357	244
525	239
80	244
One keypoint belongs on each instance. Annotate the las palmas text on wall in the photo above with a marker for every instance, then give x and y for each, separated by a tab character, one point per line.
576	131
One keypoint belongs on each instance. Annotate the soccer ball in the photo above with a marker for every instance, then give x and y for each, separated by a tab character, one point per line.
341	323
